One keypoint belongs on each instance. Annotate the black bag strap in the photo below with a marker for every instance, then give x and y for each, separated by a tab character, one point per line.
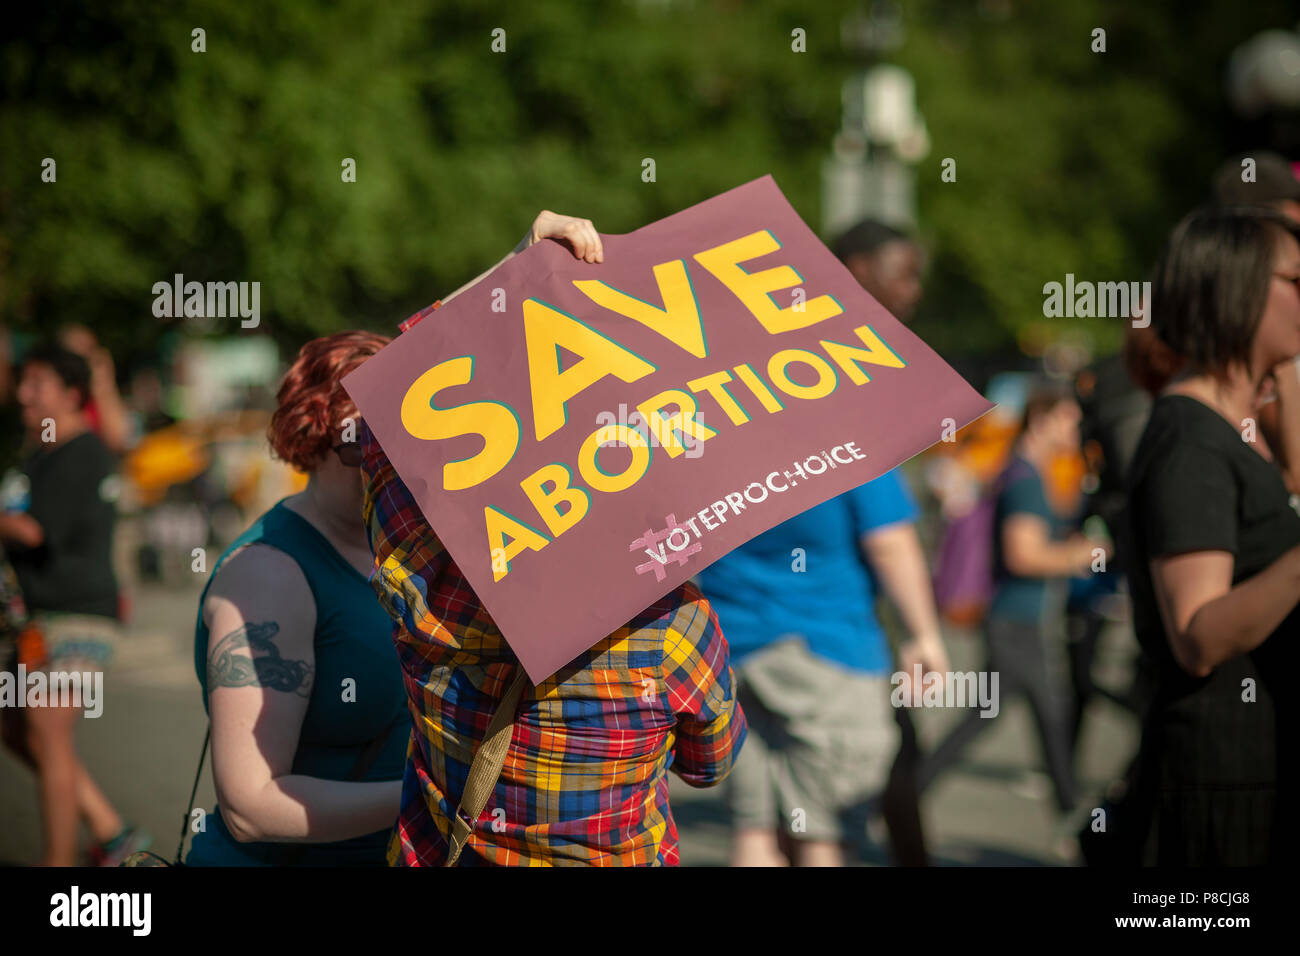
185	823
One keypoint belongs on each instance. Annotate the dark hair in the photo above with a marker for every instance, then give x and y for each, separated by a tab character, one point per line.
1043	397
1274	180
865	238
71	368
1210	283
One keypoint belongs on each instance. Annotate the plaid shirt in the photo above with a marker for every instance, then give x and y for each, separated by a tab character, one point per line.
585	779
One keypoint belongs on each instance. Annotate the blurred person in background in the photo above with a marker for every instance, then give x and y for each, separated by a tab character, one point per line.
304	694
57	528
1272	183
1114	413
105	412
1035	553
814	666
11	423
1215	573
585	769
814	662
1150	363
886	262
1275	186
146	405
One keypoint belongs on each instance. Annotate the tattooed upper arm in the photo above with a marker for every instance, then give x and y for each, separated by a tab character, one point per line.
248	657
260	660
261	619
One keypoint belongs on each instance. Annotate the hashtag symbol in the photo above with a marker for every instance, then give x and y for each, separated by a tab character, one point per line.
652	542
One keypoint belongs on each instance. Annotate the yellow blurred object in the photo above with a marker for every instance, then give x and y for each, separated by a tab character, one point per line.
984	447
981	447
1064	482
169	456
181	452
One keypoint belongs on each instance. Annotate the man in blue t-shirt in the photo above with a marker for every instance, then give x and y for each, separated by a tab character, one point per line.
813	667
798	602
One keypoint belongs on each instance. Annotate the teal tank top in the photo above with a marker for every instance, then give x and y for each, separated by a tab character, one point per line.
353	641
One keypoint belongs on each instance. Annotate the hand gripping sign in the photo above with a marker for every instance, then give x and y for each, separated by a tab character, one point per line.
757	377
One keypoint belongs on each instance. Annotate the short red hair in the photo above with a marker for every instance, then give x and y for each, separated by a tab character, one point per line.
313	405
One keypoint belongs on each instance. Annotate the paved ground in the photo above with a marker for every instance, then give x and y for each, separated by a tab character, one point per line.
993	808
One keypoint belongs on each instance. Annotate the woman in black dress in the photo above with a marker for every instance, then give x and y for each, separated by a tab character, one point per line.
1216	569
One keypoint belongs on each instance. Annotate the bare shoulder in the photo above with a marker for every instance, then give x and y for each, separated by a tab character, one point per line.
261	618
263	577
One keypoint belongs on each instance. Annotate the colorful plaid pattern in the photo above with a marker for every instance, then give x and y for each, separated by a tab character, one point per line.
585	779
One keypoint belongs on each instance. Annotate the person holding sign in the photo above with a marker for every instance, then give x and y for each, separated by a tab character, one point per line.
584	776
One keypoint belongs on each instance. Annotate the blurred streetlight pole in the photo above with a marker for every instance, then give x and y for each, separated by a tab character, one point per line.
1263	86
869	171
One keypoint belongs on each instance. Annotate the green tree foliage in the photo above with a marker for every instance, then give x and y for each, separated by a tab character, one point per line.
1068	160
226	164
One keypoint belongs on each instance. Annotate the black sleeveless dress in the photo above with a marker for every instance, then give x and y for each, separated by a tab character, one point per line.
1211	786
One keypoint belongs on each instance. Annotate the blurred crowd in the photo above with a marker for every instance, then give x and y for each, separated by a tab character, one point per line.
1153	490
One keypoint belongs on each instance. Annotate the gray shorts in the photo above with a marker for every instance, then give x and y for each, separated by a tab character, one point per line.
822	740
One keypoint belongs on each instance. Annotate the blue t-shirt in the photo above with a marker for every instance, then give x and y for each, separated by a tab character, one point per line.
807	577
1017	597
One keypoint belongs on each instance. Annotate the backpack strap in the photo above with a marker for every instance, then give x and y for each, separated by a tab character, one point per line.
485	769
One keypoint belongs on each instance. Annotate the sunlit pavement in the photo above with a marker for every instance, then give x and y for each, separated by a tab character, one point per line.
993	808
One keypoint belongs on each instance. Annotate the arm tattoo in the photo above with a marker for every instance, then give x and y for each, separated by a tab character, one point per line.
246	658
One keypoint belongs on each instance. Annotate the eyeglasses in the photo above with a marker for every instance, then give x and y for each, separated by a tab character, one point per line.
350	454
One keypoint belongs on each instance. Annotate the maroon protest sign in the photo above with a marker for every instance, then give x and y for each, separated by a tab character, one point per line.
584	438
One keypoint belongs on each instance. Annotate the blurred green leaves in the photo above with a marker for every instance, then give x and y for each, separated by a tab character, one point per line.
226	164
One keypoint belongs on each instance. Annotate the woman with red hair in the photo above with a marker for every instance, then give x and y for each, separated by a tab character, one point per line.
300	679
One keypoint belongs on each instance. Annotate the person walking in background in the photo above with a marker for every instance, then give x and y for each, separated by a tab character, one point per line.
812	658
814	669
57	529
1034	555
888	264
1114	413
585	775
294	655
1215	573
